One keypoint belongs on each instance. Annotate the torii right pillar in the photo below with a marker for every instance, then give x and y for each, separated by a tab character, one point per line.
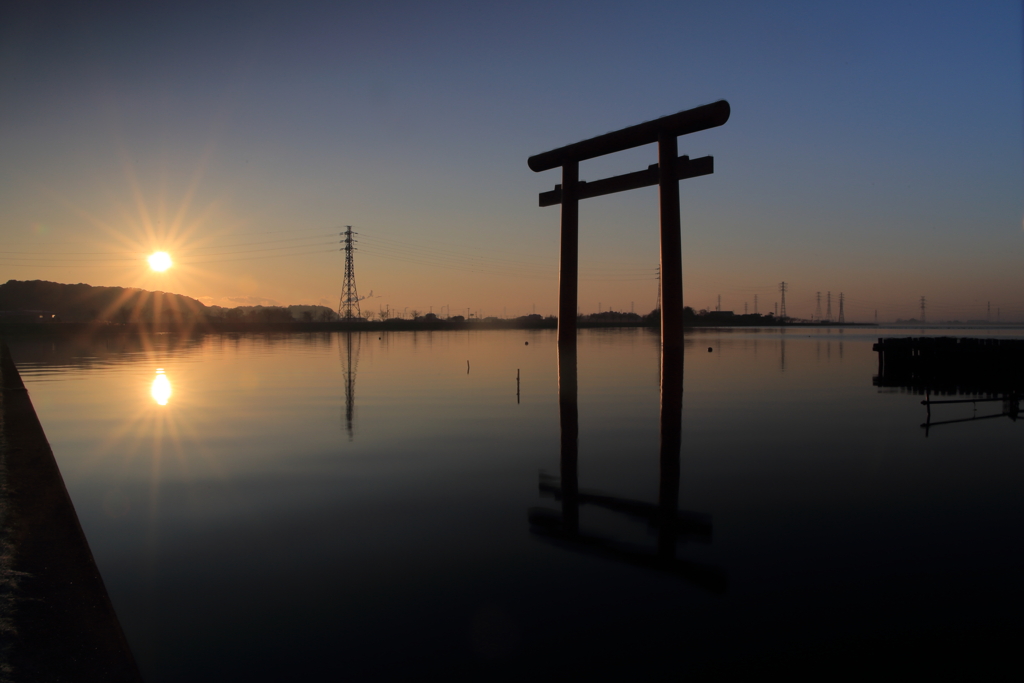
671	244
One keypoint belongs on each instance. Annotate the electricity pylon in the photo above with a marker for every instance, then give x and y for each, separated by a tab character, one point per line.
348	306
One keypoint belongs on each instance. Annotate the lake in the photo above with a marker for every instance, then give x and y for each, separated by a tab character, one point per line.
389	506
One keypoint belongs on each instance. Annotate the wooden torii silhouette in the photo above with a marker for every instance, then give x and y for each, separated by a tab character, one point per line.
666	174
670	523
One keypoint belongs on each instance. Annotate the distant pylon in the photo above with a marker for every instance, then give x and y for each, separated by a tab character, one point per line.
782	288
348	306
923	319
842	318
828	316
817	310
658	276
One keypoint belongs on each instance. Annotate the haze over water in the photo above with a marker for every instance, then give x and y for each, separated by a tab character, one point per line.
268	507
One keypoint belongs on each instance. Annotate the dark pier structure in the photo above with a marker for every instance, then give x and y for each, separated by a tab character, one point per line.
952	366
990	371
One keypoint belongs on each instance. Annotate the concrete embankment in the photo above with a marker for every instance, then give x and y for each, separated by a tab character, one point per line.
57	621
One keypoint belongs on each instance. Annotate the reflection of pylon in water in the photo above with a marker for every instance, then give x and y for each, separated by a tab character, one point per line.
351	361
348	307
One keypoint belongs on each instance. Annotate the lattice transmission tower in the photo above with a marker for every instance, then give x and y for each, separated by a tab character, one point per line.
658	277
842	317
348	306
782	288
817	310
828	315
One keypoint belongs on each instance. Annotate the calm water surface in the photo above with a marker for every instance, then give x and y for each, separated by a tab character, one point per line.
305	507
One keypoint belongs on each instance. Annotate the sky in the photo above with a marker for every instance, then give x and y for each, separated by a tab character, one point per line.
874	150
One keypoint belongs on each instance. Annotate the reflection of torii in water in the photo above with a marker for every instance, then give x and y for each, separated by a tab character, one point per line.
351	364
664	517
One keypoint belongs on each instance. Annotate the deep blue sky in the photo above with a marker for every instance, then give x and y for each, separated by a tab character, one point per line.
873	149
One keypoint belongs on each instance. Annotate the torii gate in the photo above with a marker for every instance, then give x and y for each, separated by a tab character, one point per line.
666	174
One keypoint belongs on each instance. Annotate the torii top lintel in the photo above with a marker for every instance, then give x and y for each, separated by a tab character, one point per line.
680	123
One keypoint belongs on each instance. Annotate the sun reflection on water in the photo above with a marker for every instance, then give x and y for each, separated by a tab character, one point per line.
161	389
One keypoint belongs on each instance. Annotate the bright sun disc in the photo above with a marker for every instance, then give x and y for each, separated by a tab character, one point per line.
161	388
159	261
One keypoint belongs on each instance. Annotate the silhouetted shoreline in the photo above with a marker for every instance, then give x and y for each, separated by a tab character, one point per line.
61	329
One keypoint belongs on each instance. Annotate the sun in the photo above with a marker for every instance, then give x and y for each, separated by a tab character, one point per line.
160	261
161	388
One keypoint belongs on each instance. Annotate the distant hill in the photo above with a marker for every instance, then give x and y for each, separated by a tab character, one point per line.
85	303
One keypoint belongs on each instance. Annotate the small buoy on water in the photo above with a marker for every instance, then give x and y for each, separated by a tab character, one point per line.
527	343
709	349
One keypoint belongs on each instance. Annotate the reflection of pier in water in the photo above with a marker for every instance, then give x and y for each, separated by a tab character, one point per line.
671	525
350	361
1011	409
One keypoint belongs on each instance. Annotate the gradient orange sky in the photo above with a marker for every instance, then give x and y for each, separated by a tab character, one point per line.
874	149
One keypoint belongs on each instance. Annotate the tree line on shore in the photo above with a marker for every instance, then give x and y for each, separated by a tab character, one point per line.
127	305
